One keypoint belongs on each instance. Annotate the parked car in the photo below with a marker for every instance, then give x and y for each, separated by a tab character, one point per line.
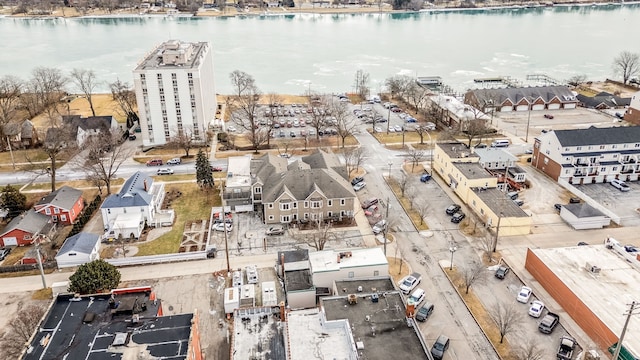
417	296
439	347
524	295
356	180
409	282
275	230
425	177
548	116
216	168
457	217
154	162
379	227
222	226
558	207
481	146
132	137
359	186
425	311
452	209
518	202
620	115
574	200
429	126
369	202
536	308
174	161
231	128
548	323
501	272
565	350
165	172
582	243
620	185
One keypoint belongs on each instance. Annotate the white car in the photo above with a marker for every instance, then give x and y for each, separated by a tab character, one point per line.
231	128
398	128
174	161
536	309
165	172
408	283
379	227
524	295
359	186
620	185
377	129
221	227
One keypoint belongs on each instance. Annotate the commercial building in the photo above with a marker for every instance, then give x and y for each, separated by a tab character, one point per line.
632	114
594	285
124	324
592	155
175	92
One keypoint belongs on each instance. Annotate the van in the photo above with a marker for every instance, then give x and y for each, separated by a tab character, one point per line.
425	311
501	143
370	202
417	296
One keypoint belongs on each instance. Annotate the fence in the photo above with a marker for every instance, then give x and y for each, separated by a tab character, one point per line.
158	259
28	267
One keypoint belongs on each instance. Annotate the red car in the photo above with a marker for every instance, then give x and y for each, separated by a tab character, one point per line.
216	169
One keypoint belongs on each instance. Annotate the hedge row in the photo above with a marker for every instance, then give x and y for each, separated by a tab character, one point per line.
85	215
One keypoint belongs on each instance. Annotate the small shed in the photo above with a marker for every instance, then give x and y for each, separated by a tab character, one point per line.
584	216
231	299
78	249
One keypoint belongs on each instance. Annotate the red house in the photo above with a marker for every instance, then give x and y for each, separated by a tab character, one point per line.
26	228
63	205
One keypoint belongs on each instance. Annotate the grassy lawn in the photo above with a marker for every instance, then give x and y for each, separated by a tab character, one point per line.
406	205
481	315
192	205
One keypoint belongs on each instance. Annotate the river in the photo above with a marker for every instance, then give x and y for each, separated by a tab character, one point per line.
294	53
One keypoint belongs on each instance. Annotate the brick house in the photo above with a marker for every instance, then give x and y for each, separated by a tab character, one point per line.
632	114
63	205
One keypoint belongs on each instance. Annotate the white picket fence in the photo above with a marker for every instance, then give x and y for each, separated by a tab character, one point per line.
158	259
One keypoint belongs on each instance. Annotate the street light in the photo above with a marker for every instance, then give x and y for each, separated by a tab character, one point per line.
495	241
452	249
389	176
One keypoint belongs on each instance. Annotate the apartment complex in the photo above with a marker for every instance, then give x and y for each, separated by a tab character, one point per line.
593	155
175	92
522	99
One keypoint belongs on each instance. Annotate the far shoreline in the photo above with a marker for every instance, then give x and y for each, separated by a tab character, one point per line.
368	9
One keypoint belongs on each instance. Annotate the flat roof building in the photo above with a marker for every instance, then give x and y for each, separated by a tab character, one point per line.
175	92
595	286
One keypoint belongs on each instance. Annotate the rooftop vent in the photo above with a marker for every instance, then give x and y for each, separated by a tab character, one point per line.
592	268
120	339
352	298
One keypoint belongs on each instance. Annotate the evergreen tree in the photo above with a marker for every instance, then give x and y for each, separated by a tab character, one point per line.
13	200
204	174
94	277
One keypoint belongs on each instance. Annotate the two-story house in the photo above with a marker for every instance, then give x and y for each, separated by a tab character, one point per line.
592	155
82	128
139	202
62	206
501	163
478	188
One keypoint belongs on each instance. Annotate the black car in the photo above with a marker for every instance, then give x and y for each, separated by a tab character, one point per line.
452	209
558	207
457	217
574	200
357	180
4	252
501	272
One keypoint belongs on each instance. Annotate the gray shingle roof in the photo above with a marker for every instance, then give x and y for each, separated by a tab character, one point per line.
88	123
64	198
583	210
598	136
324	160
82	243
267	164
31	222
603	98
301	183
133	193
547	93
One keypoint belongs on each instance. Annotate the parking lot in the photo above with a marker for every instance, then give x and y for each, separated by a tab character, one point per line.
622	204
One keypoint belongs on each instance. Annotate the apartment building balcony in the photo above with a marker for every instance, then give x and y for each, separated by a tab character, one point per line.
257	197
628	161
236	195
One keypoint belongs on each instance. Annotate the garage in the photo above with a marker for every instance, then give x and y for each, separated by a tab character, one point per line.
537	107
554	106
522	107
570	106
506	109
10	241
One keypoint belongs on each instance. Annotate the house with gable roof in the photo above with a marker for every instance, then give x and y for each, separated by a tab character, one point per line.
78	249
63	205
27	228
522	99
139	202
82	128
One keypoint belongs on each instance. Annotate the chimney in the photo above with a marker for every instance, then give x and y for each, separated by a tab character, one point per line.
145	185
283	314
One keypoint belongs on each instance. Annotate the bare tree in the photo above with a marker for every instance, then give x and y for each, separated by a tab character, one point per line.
59	140
530	350
43	91
415	156
183	139
105	155
415	95
421	130
10	91
285	144
319	238
627	65
361	83
86	82
433	112
506	317
577	80
475	128
126	99
18	330
273	100
318	114
473	273
243	106
422	208
403	182
397	85
345	125
354	157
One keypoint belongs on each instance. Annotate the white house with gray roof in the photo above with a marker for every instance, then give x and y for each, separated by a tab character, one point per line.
592	155
78	249
140	198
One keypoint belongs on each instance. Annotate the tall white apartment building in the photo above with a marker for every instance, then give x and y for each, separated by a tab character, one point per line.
175	92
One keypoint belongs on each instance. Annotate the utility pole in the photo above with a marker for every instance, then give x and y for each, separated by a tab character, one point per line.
495	241
386	226
632	307
44	281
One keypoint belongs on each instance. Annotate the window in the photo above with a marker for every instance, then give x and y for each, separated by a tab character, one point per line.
316	204
270	206
603	169
615	168
56	210
376	273
270	217
285	218
295	205
63	217
342	202
351	274
306	204
284	206
578	148
329	202
257	190
47	211
329	213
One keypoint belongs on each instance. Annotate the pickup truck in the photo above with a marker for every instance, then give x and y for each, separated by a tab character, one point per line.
410	282
565	351
549	323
